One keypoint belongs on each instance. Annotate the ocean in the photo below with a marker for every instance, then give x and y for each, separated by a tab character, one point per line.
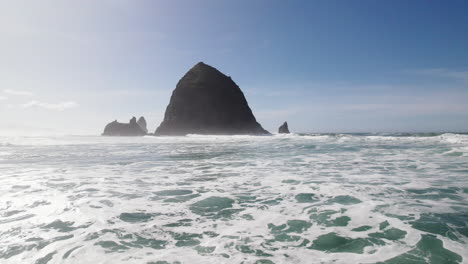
299	198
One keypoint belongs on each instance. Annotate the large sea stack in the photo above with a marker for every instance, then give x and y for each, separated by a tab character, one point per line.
124	129
205	101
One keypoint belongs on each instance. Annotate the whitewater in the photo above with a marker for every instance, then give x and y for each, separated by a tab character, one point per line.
299	198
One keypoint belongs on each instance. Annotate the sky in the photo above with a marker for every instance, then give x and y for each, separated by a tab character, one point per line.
71	67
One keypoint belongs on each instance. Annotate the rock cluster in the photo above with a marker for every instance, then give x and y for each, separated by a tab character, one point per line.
125	129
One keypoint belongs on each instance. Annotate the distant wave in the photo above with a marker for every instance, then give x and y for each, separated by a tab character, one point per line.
454	138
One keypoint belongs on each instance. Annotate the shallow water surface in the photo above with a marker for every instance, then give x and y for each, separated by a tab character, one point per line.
366	198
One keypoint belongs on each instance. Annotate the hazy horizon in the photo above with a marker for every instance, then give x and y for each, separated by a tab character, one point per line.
323	66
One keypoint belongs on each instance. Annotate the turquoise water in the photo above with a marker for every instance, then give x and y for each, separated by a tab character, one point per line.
325	198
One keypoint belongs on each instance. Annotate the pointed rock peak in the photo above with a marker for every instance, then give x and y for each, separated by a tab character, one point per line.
133	120
284	129
141	119
142	123
204	68
199	66
202	65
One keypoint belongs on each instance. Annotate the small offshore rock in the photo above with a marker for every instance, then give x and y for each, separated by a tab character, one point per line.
283	129
123	129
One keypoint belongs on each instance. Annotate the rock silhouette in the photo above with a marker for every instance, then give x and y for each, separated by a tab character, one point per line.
142	123
205	101
283	129
123	129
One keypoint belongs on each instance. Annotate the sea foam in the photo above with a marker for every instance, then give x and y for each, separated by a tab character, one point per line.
318	198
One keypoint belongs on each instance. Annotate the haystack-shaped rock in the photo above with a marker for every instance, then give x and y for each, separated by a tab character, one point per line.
284	129
205	101
123	129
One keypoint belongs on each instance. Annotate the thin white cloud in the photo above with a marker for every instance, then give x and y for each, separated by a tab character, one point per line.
440	72
3	98
408	109
16	92
436	103
277	113
57	107
127	93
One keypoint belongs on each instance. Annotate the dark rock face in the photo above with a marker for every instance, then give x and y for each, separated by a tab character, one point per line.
142	123
283	129
205	101
123	129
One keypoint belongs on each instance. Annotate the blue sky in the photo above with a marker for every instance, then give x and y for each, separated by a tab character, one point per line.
324	66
